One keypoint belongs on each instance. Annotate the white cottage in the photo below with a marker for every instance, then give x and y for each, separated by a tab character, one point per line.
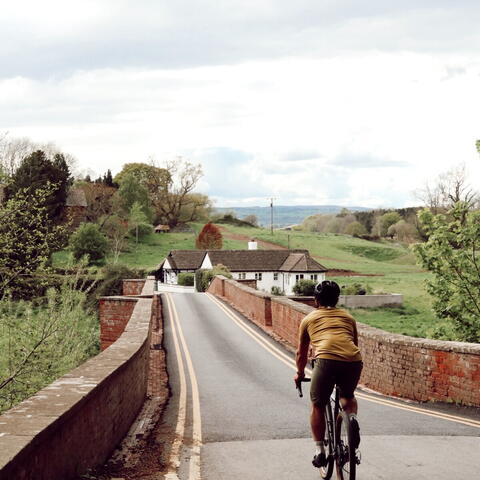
270	268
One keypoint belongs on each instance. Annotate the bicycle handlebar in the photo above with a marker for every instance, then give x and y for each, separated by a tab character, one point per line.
298	384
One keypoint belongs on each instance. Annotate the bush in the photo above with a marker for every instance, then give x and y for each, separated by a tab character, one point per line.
356	289
277	291
186	279
203	277
89	240
112	275
304	288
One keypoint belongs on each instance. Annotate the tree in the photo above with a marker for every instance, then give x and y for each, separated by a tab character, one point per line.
451	254
447	190
184	176
356	229
384	222
251	219
116	230
99	199
210	238
89	240
132	191
27	236
196	207
403	232
138	222
35	171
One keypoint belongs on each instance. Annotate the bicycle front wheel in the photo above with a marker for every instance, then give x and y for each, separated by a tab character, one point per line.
345	455
326	472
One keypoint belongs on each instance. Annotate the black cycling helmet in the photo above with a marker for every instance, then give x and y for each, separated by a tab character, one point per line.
327	293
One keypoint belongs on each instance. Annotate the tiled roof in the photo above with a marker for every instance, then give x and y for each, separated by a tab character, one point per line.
76	198
185	259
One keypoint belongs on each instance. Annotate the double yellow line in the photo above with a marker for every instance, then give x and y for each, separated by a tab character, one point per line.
181	345
287	360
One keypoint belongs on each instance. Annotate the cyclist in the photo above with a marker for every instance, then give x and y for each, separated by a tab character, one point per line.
332	332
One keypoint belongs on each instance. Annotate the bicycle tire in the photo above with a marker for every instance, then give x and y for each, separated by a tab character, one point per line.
326	472
345	454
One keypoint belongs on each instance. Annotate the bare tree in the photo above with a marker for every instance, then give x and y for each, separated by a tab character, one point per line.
448	189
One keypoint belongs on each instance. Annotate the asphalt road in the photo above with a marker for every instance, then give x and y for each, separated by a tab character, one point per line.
237	415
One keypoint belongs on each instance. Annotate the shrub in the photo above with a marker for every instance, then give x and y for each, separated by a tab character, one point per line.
277	291
112	275
186	279
89	240
356	289
203	277
143	230
304	288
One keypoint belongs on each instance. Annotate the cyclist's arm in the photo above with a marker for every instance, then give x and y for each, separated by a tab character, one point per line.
302	352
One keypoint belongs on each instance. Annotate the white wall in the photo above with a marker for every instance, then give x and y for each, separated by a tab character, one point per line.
285	281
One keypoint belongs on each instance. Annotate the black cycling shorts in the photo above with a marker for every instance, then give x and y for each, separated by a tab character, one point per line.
327	373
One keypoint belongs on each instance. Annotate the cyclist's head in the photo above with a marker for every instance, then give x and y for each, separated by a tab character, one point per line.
327	293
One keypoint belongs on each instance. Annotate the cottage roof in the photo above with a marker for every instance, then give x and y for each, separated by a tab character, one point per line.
266	260
76	198
247	260
185	259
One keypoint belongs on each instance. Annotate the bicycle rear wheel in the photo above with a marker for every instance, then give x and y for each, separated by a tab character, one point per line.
346	459
326	472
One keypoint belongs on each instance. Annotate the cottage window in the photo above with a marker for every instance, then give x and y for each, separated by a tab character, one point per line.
241	276
258	276
275	276
314	277
298	277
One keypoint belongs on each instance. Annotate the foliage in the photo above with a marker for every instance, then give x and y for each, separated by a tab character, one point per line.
304	287
132	191
116	231
89	240
451	254
186	279
203	277
27	236
355	229
34	172
371	251
39	343
230	219
384	222
110	282
356	289
154	179
138	222
403	232
277	291
251	219
210	238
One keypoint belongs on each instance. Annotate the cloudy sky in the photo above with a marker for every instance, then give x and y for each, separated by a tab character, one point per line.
310	101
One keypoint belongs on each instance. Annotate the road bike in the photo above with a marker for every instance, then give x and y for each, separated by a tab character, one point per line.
339	439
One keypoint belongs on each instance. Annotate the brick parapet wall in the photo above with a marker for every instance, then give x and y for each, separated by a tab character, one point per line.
114	314
77	421
132	286
419	369
359	301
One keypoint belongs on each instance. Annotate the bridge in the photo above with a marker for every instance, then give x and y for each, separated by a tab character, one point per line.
233	411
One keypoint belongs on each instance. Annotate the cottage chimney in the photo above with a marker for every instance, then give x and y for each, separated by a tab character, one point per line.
252	244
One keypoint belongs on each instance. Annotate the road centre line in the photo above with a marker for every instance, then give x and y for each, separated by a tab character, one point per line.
174	460
291	363
194	471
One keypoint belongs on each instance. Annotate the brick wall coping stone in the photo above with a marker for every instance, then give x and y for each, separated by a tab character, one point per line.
149	287
426	343
31	426
299	307
126	298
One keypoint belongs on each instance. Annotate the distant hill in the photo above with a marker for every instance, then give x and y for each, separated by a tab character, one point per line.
283	215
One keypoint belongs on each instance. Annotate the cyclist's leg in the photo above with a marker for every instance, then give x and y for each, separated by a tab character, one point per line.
321	388
347	380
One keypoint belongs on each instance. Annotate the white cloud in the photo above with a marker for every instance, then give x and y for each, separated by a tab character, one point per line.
308	102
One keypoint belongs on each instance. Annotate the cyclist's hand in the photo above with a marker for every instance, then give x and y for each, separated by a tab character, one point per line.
298	378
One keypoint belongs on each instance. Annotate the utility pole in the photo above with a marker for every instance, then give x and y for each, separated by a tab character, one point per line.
271	215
